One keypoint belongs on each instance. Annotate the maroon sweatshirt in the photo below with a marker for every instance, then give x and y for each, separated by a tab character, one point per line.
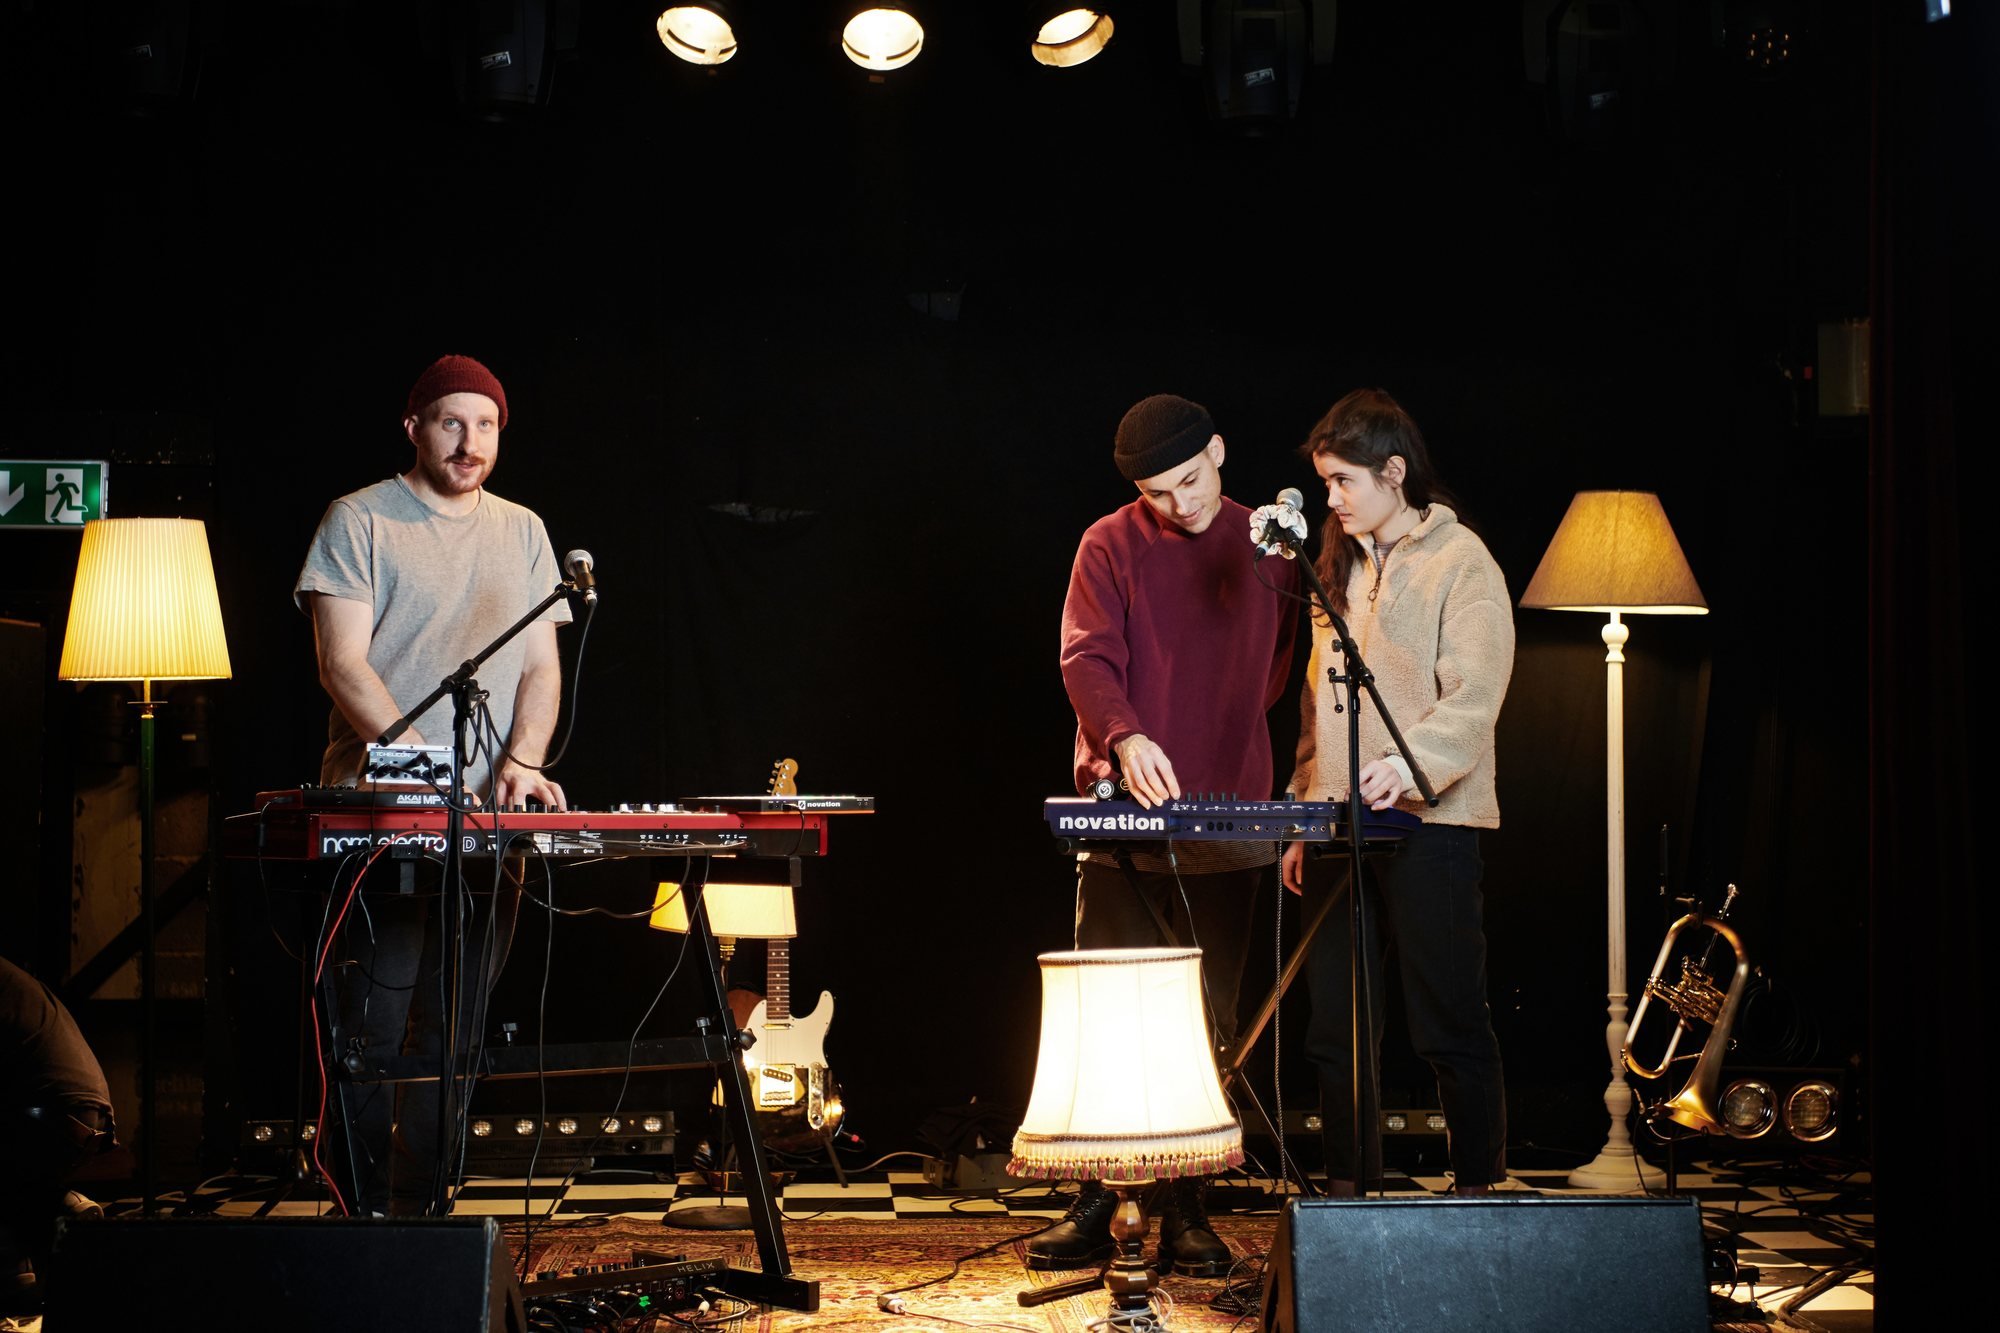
1175	637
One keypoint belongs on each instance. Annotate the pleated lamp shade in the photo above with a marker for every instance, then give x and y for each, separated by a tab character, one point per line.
1615	551
1125	1081
144	606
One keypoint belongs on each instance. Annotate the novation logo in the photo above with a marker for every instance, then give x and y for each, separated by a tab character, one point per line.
1123	823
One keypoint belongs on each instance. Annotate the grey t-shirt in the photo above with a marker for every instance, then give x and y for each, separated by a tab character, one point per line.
443	587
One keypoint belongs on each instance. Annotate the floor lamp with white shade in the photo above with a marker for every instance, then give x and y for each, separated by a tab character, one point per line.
145	608
1615	553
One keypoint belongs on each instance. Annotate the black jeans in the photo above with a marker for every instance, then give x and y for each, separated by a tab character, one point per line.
387	980
1216	916
1423	905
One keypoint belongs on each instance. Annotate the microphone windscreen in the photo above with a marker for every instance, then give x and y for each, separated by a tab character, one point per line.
1290	496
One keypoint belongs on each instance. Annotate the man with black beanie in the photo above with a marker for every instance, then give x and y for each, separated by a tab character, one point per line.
1173	650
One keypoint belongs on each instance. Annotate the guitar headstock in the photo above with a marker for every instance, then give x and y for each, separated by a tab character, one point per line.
782	774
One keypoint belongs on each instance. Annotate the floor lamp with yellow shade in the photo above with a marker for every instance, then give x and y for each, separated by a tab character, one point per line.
144	608
1615	554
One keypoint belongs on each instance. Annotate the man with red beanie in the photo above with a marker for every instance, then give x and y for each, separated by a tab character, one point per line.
406	580
1173	650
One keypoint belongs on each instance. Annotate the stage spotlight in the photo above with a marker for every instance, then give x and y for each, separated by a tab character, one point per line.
882	38
699	34
505	54
1254	55
1600	63
1065	33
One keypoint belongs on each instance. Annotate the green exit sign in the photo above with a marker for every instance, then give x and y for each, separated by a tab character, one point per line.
51	493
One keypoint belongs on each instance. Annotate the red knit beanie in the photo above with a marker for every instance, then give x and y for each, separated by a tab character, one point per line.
455	374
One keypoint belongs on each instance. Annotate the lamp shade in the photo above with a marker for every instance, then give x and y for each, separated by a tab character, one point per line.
735	911
1125	1082
144	606
1615	551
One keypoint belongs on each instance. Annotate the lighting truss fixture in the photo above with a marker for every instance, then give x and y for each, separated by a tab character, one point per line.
1811	1111
1798	1106
1749	1108
522	1127
509	1139
1404	1121
701	34
1066	33
882	37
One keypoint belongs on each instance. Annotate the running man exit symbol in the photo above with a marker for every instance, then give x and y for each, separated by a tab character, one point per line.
51	492
65	495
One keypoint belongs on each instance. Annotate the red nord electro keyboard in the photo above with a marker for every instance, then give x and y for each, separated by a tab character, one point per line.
316	823
1081	820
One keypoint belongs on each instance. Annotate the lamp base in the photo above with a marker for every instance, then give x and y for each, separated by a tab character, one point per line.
719	1217
1618	1168
1130	1279
1617	1173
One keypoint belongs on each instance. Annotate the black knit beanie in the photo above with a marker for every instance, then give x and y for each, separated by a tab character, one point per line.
1159	432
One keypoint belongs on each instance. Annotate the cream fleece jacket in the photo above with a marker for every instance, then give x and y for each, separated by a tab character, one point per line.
1439	637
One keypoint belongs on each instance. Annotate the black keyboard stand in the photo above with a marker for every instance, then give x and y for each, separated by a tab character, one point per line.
1232	1068
716	1047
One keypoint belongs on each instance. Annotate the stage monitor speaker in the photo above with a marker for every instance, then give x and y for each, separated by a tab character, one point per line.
1493	1262
302	1275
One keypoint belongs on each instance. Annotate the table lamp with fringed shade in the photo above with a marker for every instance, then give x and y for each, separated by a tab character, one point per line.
1615	553
735	912
144	608
1125	1092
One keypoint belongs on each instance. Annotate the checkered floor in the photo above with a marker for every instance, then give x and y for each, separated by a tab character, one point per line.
1783	1230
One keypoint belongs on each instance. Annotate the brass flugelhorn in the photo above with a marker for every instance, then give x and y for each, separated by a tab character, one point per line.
1694	999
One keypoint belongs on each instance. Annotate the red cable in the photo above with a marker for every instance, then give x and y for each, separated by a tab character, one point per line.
319	970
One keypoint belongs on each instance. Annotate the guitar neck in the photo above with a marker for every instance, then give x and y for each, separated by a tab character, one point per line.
778	981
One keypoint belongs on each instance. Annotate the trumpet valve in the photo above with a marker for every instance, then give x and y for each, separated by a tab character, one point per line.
1693	997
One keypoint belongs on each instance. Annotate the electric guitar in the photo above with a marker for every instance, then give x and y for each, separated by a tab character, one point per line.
792	1092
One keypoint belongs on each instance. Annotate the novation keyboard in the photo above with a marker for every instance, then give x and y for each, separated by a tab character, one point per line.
1081	822
319	823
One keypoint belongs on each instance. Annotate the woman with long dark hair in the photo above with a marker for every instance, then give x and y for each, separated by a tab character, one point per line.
1429	612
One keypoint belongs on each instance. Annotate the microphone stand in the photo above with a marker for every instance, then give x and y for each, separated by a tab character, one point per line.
1357	678
463	689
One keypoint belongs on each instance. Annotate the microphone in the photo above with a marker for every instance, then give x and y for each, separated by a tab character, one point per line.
577	565
1280	529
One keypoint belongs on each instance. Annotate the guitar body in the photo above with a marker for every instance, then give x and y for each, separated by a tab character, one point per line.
797	1100
796	1042
793	1095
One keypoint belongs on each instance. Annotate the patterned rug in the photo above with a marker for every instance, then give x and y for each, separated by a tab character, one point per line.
951	1271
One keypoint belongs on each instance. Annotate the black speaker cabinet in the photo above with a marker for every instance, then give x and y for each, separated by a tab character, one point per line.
1493	1262
301	1275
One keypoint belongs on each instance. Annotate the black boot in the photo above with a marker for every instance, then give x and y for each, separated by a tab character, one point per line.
1188	1244
1082	1238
